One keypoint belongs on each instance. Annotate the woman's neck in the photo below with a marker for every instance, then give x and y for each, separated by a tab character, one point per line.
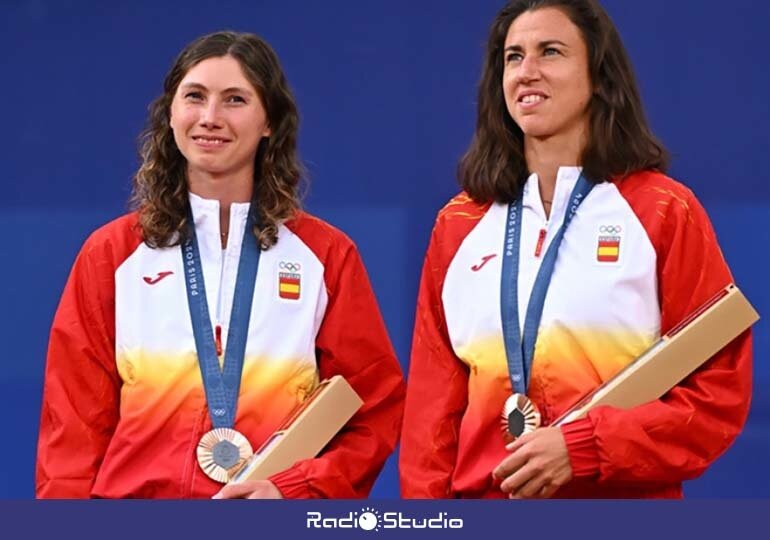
227	189
545	157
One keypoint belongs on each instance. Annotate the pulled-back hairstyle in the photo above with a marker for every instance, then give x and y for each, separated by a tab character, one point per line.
160	190
619	139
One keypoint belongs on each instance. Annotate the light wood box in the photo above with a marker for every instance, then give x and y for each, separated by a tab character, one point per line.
305	432
674	356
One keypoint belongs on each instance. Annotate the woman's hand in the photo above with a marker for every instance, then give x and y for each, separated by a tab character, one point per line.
256	489
537	467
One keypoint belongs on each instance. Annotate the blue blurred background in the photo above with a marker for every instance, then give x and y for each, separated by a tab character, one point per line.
387	96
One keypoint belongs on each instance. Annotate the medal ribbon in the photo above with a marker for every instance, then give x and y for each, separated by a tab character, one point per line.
221	385
520	343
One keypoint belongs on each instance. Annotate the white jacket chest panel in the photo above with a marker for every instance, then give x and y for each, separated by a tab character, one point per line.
617	294
155	318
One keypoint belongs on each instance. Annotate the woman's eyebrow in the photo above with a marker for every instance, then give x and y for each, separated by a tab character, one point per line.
542	45
232	89
193	86
237	89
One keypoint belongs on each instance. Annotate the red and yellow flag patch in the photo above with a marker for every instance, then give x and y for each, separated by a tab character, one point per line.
288	287
608	249
289	280
608	243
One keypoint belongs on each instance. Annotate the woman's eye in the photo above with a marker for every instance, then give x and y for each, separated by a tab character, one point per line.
236	99
550	51
193	96
513	57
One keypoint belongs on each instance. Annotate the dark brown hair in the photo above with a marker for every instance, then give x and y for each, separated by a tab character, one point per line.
160	185
619	139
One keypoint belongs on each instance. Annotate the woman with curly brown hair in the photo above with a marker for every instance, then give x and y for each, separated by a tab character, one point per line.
190	328
567	256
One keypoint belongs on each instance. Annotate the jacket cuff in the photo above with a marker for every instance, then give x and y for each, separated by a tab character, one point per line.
291	483
581	447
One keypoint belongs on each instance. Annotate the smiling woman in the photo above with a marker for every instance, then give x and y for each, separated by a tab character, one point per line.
191	328
226	103
568	254
218	121
546	80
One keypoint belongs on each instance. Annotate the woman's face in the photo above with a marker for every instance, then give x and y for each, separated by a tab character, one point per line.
546	80
218	118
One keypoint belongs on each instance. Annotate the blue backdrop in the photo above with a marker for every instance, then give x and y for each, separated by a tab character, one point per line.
387	93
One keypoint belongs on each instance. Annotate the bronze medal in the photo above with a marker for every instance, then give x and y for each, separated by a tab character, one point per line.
221	452
519	416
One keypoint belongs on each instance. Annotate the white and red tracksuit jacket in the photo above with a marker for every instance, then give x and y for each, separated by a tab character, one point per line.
639	256
124	405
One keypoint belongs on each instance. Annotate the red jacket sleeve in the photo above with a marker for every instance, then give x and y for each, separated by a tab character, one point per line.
82	386
437	393
352	342
676	437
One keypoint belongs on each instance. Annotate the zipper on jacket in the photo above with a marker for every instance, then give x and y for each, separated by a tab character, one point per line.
218	327
540	242
218	339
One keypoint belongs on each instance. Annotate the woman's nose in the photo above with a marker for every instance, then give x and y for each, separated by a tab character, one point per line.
529	69
210	116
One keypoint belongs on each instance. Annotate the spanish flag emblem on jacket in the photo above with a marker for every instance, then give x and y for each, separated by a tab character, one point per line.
608	249
289	285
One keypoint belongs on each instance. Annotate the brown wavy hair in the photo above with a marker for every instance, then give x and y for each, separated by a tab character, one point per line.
620	141
160	189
